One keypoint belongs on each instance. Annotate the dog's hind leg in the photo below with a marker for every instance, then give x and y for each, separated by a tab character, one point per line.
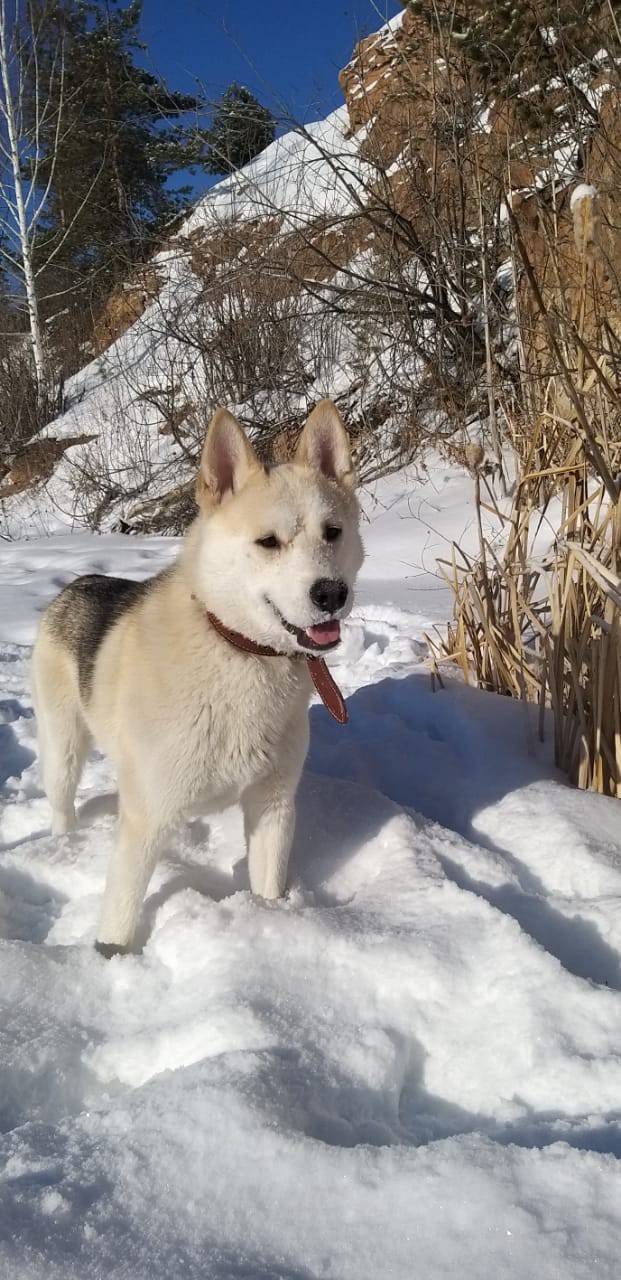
63	736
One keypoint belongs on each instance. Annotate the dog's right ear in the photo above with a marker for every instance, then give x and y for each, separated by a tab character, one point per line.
227	460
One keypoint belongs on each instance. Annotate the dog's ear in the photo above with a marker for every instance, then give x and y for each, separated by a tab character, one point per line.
324	445
227	460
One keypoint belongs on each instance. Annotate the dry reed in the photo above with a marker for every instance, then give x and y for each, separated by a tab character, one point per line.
541	620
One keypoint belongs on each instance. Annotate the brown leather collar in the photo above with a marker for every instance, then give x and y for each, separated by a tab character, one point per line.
328	691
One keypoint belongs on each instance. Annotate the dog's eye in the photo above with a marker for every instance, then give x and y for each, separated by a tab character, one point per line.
270	542
332	532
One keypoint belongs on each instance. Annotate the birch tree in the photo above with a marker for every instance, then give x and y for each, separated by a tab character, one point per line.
22	198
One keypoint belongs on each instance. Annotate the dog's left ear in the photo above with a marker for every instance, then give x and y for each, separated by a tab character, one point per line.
324	445
227	460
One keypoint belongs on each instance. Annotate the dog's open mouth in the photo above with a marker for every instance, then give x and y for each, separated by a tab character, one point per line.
324	635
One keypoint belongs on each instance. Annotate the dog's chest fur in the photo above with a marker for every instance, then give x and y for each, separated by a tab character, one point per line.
235	741
201	720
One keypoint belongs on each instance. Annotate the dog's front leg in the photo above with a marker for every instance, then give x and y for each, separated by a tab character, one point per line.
269	819
129	872
269	814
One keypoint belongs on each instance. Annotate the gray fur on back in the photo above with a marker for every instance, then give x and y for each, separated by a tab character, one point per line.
84	612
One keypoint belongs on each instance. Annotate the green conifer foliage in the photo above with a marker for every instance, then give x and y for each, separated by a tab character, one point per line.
110	145
240	129
512	38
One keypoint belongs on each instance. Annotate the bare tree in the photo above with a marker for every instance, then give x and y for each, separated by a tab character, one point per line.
22	203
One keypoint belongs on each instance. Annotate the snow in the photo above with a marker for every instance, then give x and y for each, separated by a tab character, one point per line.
309	171
392	25
481	123
409	1067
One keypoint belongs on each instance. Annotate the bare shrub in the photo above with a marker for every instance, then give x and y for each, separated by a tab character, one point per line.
23	410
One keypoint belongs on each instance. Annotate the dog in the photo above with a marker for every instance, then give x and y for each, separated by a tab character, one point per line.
194	681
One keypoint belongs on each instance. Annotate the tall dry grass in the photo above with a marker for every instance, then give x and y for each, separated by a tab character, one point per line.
541	620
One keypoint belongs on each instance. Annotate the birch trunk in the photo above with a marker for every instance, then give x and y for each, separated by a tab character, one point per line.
7	107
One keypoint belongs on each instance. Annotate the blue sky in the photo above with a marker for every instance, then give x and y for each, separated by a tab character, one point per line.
288	54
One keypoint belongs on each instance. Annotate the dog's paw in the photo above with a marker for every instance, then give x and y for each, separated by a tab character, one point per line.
110	949
63	821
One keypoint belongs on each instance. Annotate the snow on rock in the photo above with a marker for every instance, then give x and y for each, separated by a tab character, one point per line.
583	191
308	172
409	1067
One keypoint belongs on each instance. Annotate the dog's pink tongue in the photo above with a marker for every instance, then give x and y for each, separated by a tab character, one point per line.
324	633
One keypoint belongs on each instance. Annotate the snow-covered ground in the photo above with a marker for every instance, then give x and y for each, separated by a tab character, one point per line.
411	1067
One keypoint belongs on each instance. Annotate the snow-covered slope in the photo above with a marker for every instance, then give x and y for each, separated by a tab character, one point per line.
410	1067
307	176
307	172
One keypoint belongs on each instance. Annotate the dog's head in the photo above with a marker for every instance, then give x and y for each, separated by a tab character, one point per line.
276	550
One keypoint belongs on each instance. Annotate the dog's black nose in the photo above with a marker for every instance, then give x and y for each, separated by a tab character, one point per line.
328	594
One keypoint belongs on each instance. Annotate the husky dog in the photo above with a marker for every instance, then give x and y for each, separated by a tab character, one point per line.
194	682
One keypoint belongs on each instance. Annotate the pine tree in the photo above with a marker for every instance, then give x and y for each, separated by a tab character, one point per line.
240	129
124	133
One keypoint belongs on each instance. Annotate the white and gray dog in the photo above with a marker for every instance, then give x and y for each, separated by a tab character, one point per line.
194	682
